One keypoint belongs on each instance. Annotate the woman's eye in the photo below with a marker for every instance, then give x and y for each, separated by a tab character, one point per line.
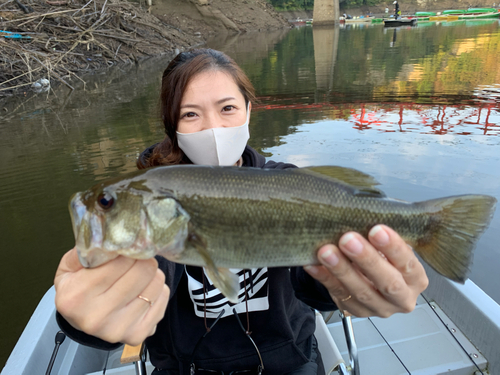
188	114
228	108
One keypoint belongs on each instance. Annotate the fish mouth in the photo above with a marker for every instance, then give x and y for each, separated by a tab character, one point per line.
96	256
87	229
77	211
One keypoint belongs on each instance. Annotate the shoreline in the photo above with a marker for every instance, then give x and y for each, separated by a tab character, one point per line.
48	45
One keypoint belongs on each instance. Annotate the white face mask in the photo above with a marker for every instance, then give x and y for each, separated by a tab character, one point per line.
216	146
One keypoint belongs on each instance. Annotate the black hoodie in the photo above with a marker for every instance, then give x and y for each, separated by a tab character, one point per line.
282	329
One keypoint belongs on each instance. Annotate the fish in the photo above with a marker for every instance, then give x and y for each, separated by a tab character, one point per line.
241	217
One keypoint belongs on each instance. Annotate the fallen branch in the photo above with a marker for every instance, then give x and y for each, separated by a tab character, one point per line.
39	15
23	7
7	2
19	76
82	8
77	39
63	2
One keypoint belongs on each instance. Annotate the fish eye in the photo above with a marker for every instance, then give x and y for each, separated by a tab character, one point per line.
105	200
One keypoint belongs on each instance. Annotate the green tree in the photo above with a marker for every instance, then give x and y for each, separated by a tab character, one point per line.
292	4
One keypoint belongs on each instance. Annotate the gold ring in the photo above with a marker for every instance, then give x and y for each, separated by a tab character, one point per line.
146	299
346	299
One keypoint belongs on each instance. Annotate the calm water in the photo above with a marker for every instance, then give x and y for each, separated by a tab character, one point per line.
417	108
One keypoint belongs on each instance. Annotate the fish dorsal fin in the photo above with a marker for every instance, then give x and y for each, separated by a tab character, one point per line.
361	183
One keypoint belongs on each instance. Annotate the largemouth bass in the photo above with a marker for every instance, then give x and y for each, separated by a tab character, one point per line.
231	217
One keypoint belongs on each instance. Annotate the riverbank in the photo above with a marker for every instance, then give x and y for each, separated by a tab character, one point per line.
53	42
408	7
205	17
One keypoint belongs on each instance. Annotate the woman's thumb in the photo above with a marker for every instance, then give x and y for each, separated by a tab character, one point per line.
69	263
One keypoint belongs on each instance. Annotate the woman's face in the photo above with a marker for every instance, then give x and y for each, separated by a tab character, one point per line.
211	100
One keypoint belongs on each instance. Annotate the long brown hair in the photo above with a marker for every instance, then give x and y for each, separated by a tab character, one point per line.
176	78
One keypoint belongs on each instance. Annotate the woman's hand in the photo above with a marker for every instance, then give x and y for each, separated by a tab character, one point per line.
103	301
378	277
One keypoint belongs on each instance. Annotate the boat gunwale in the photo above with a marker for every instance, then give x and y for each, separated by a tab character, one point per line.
473	311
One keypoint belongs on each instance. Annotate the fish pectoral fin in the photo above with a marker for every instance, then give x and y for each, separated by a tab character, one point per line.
360	183
226	281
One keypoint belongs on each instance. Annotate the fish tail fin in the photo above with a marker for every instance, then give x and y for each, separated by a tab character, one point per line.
456	226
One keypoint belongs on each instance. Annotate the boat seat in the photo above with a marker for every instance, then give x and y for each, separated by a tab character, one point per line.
137	355
131	353
330	353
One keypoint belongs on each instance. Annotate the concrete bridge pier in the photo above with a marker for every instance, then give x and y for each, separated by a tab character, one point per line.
326	12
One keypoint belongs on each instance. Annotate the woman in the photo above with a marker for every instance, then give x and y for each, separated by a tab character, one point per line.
188	325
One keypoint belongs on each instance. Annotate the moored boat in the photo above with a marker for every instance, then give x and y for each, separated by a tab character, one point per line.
459	14
400	22
298	22
479	16
425	14
480	10
358	20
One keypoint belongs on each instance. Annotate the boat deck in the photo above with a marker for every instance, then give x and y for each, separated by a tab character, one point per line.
422	342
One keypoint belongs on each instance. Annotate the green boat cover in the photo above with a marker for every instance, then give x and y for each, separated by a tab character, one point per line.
481	10
454	11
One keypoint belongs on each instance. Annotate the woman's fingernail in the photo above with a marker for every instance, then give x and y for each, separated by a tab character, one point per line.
379	235
311	269
350	243
329	258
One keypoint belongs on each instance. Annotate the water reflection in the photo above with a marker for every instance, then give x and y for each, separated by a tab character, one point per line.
483	119
424	64
326	42
394	37
420	96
